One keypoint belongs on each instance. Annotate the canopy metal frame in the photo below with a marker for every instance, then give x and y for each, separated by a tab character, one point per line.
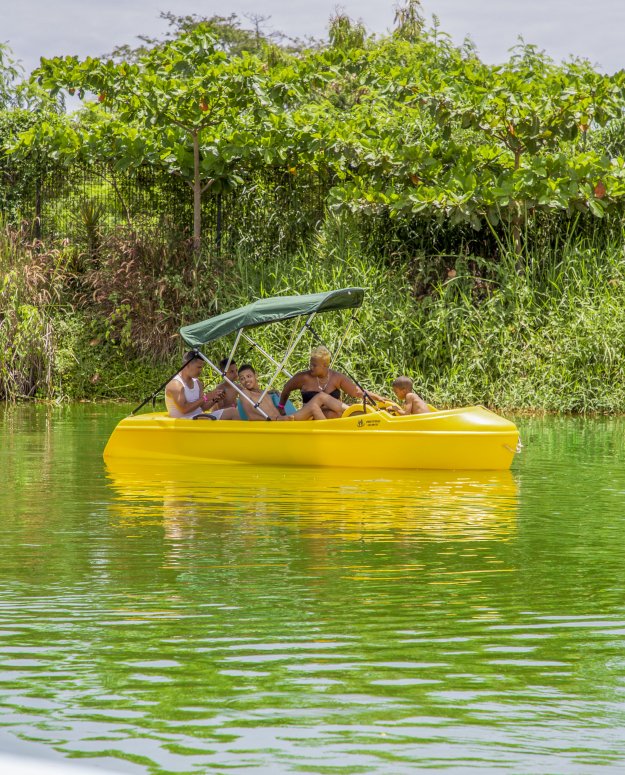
269	357
263	312
280	365
232	352
231	383
289	351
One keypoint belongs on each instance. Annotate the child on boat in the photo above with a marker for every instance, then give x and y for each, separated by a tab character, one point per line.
412	403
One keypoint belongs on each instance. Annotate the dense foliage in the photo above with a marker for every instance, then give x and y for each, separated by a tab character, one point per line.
482	205
409	125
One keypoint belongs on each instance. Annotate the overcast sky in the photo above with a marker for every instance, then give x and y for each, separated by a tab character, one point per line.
35	28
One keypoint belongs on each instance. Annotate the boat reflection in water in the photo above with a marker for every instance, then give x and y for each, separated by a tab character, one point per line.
430	505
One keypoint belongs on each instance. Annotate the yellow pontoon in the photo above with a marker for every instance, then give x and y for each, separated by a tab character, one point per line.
368	436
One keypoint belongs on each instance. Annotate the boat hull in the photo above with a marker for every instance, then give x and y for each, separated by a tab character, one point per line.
471	438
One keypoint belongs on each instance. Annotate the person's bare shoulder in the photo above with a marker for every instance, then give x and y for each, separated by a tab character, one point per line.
173	387
415	404
298	377
347	385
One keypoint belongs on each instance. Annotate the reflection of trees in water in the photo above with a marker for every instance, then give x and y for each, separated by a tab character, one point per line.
51	473
423	566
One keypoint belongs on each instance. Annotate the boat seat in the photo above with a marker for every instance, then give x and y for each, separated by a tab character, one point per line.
289	407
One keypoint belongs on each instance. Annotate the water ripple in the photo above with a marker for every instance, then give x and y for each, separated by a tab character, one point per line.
171	619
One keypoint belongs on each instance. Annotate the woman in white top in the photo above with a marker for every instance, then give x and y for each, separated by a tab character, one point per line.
184	395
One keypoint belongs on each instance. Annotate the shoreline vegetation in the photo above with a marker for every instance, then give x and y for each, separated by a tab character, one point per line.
545	337
480	207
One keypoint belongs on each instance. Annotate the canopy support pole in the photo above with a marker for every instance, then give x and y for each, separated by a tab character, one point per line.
232	352
339	347
233	385
266	354
152	397
287	355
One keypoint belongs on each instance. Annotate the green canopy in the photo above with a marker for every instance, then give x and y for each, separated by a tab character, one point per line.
270	311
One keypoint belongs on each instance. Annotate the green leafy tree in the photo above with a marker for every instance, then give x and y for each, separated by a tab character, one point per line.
344	33
184	106
408	125
231	34
409	22
419	127
23	105
532	119
9	75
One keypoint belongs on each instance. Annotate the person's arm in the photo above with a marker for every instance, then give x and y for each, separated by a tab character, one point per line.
415	404
294	383
219	403
351	389
212	398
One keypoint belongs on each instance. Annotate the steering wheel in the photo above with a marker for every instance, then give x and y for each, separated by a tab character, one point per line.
390	407
356	409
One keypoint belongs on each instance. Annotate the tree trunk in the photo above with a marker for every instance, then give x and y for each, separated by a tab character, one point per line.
197	194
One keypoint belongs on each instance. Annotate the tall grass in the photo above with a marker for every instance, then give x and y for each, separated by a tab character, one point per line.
536	331
541	330
66	324
31	288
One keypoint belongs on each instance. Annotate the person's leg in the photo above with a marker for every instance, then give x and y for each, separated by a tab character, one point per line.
219	414
229	414
320	407
332	408
310	411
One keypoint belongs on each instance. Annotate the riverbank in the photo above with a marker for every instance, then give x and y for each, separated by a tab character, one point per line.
541	331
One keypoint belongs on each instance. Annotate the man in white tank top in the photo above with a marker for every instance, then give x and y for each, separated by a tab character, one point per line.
184	395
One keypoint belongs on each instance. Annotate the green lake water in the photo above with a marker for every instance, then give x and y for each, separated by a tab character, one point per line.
228	619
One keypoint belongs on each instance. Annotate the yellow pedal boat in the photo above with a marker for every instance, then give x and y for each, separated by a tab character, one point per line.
468	438
367	436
